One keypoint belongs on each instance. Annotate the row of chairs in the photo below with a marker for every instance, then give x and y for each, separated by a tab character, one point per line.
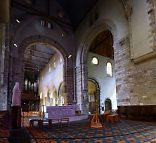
40	122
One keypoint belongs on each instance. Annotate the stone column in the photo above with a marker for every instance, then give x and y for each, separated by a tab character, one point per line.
82	87
4	19
69	81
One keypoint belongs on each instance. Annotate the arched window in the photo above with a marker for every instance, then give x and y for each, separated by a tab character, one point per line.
109	69
95	61
41	95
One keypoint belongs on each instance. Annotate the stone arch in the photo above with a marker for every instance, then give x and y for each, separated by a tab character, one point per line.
89	40
61	93
45	40
81	59
53	44
99	27
94	81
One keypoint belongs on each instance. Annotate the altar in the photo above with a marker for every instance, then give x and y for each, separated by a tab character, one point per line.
55	112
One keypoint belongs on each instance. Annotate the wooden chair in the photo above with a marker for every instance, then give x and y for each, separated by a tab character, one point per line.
113	118
55	121
39	122
64	120
2	115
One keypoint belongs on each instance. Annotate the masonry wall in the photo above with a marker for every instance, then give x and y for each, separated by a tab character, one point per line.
51	77
106	83
3	68
110	17
30	31
135	79
4	60
136	83
140	24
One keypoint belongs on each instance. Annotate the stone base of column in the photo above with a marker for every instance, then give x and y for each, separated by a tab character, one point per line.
15	117
19	136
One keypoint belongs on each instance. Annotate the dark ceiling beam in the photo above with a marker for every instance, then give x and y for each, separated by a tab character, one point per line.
29	9
30	70
38	64
37	56
24	7
30	67
34	60
99	43
38	51
48	7
85	15
33	65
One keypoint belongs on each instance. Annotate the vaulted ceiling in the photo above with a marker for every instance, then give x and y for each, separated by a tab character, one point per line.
37	56
103	44
75	10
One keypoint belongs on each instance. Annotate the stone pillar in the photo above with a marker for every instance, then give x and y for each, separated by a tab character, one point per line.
69	81
82	87
4	11
15	117
70	86
3	88
78	86
4	19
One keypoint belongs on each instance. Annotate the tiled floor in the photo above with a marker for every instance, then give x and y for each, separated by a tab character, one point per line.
122	132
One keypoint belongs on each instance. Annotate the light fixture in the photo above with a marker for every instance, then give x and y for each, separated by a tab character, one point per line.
17	21
69	56
62	34
15	45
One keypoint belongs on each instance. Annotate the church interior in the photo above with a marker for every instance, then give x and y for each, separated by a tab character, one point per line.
77	71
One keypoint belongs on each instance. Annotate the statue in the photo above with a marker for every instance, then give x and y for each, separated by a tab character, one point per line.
16	97
15	114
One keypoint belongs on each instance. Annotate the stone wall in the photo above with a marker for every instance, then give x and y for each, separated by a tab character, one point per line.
3	68
81	87
136	83
138	112
135	78
113	20
33	33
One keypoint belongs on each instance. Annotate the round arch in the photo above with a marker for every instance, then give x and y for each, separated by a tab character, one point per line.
38	39
61	94
81	59
44	40
100	26
96	104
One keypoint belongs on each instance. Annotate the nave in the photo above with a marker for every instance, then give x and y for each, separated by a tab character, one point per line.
124	131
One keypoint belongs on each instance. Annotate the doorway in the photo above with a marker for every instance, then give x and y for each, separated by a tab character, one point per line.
108	105
93	97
